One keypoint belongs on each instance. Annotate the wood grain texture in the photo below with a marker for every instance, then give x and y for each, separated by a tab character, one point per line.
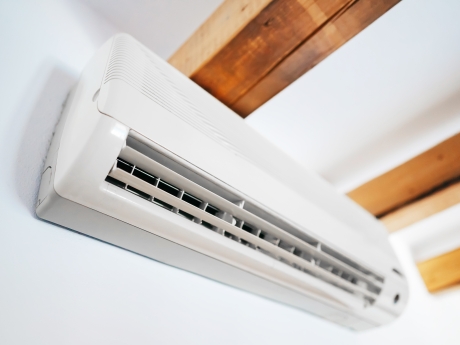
423	208
340	28
260	46
411	180
222	26
245	61
442	271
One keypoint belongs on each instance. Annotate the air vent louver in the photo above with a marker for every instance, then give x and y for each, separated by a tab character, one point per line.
150	180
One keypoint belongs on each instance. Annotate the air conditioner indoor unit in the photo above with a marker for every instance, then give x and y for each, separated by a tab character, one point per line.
145	159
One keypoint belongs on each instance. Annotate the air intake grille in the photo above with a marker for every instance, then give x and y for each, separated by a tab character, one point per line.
134	64
152	181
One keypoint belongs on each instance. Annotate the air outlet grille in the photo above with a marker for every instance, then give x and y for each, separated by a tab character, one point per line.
150	180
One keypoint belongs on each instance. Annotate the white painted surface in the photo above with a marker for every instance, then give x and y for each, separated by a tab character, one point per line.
161	25
58	287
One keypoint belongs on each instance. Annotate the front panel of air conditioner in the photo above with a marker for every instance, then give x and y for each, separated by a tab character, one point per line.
137	148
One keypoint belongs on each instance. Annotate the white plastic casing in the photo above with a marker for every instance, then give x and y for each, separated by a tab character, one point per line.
127	90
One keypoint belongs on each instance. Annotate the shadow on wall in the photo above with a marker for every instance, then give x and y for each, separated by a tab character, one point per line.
42	106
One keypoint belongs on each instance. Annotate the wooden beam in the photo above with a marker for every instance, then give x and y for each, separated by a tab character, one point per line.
330	36
442	271
248	51
411	180
423	208
215	33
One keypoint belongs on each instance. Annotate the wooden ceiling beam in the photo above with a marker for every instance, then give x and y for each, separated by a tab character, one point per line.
412	180
215	33
441	272
330	36
422	208
249	50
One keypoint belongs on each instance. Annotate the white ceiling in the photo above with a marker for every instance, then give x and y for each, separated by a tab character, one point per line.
162	25
388	94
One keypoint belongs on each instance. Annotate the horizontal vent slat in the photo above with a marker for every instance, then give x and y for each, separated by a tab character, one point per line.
147	188
144	162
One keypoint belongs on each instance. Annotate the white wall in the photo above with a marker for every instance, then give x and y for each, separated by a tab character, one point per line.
59	287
